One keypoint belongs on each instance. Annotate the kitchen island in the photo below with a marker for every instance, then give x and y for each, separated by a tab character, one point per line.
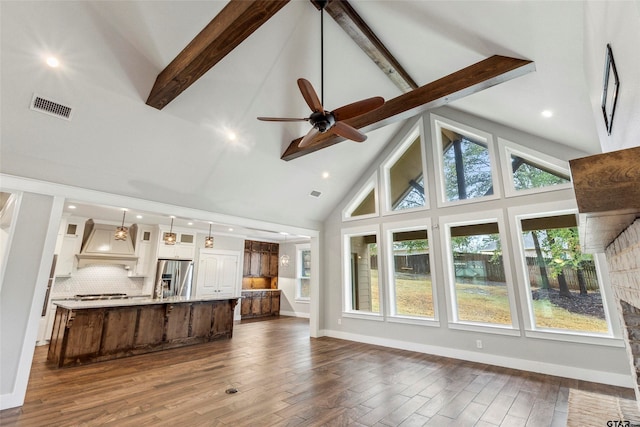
94	331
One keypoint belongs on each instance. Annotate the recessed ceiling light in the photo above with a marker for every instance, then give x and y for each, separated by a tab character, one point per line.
232	136
547	113
230	229
71	206
139	216
53	62
325	175
189	223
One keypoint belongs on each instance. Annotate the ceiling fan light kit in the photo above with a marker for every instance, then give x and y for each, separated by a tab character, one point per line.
321	120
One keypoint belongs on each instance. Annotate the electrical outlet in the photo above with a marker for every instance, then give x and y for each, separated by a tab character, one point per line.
339	321
479	343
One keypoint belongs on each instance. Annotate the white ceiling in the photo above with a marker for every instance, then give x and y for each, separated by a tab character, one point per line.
111	53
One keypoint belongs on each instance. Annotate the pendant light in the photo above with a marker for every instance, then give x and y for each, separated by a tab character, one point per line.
121	232
284	259
170	237
208	241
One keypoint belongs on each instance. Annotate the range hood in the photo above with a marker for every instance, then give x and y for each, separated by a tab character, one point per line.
100	247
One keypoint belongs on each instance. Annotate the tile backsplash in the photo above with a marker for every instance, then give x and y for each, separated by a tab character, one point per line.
98	279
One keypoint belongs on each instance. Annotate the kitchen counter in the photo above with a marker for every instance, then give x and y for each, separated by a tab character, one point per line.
99	330
74	304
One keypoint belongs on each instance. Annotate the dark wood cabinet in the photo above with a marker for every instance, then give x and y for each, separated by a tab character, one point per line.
86	335
260	259
260	303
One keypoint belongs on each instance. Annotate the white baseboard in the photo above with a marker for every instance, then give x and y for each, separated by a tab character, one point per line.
294	314
491	359
10	400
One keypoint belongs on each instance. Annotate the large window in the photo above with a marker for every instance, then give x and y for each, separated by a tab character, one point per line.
564	291
303	266
361	273
478	275
411	289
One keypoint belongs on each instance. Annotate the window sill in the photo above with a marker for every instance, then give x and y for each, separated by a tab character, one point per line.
577	337
486	328
303	300
361	315
408	320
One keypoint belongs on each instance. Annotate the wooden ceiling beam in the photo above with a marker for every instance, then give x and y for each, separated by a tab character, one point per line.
355	27
236	22
481	75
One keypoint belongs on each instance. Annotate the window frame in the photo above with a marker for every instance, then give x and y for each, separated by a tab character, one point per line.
563	207
300	249
437	123
370	185
388	230
347	296
416	131
508	148
483	217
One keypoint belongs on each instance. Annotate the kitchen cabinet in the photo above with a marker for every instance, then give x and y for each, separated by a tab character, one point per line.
260	259
144	249
184	248
260	303
218	273
68	245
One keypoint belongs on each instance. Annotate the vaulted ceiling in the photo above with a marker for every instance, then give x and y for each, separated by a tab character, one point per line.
112	52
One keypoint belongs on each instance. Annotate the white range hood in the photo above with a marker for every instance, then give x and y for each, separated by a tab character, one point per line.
100	247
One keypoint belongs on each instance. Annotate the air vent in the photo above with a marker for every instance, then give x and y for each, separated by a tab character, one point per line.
315	193
52	108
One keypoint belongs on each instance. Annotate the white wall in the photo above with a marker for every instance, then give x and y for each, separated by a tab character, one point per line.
616	23
287	283
23	290
603	364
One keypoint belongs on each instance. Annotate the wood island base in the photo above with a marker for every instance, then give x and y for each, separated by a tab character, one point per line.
85	334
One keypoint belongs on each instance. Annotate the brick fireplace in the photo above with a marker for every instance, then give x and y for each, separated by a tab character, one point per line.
623	259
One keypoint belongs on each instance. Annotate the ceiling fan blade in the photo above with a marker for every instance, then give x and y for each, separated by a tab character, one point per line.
308	138
282	119
309	94
344	130
357	108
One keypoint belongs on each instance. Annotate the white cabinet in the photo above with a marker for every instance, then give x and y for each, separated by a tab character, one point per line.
219	274
68	245
184	248
144	248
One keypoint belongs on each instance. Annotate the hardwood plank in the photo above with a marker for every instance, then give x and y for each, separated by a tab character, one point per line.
290	380
235	22
481	75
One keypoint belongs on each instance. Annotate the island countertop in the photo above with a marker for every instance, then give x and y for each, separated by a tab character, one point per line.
98	330
128	302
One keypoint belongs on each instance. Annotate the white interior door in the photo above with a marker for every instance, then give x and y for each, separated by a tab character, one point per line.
218	274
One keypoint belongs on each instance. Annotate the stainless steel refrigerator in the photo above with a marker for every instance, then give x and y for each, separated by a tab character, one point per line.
173	278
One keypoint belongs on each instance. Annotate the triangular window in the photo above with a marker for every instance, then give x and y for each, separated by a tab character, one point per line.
530	171
365	203
404	175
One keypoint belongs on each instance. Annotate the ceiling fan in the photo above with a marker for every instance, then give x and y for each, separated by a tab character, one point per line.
321	119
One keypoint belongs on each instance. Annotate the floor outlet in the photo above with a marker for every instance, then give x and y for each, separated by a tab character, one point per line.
479	343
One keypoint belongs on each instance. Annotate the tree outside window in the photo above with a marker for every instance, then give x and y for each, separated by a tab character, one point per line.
304	273
563	282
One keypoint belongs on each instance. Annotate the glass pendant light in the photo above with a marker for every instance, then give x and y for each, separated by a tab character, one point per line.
208	241
284	259
121	232
170	237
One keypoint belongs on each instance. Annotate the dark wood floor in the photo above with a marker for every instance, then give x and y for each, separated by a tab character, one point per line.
284	378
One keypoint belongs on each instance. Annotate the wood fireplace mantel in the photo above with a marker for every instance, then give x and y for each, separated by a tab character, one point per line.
607	188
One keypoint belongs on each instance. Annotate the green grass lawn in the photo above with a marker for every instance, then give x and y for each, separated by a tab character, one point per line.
483	304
